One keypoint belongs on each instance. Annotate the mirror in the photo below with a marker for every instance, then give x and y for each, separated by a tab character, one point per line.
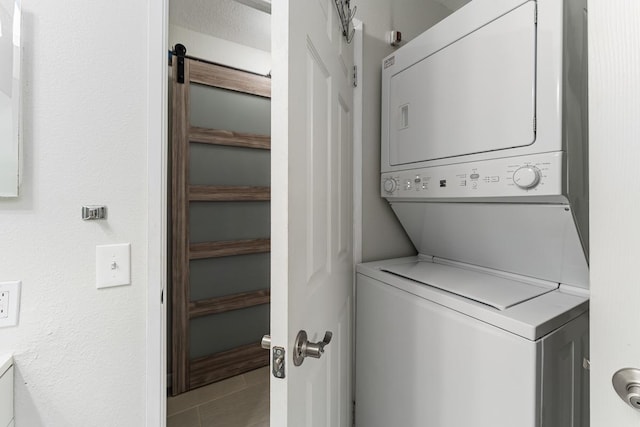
10	132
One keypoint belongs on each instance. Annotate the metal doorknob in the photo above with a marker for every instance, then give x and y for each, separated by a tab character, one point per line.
266	342
626	382
304	348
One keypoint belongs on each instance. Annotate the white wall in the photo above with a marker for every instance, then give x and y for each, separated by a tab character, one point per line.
382	235
80	352
413	17
614	93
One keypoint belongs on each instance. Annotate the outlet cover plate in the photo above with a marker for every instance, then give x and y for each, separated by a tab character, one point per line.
113	265
9	303
4	304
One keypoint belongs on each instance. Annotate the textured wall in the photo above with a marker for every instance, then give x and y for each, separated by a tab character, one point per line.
382	235
80	352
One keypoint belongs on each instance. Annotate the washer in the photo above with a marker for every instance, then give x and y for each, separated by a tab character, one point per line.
452	345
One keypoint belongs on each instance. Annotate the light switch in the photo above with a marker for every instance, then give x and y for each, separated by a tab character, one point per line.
113	265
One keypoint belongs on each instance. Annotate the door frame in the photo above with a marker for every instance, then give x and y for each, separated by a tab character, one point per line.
157	173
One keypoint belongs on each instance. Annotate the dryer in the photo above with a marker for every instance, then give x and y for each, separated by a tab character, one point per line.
484	162
490	105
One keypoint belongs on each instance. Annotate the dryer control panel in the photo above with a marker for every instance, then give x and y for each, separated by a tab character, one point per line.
532	175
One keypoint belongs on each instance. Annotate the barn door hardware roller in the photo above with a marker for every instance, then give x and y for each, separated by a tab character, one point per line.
180	52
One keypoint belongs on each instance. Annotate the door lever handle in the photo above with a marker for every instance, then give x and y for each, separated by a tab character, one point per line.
304	348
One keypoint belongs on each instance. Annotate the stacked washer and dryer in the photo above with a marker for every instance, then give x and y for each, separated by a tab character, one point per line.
484	162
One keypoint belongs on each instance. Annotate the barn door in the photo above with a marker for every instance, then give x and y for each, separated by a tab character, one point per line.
220	192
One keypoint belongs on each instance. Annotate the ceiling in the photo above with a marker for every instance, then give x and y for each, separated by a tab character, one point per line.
225	19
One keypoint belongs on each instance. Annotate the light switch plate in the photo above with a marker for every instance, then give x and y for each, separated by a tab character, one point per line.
113	265
9	303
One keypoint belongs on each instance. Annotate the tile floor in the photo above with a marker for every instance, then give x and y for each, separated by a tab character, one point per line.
241	401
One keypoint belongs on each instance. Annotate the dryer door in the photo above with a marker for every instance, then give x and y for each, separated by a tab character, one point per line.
475	95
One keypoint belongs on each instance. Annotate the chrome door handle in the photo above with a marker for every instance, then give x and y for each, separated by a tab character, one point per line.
266	342
626	382
304	348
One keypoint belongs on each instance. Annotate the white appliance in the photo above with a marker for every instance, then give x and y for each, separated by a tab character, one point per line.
484	162
471	349
6	391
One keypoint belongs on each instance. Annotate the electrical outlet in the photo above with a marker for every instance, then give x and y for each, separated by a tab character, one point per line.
4	304
9	303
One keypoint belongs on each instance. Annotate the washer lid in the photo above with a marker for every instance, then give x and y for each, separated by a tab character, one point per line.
497	292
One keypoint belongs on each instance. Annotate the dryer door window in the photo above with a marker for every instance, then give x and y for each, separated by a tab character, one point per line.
475	95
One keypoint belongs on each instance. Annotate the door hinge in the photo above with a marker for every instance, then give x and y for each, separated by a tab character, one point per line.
535	124
353	412
355	76
180	52
535	14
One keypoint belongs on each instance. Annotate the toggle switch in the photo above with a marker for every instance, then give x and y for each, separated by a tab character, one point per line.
113	265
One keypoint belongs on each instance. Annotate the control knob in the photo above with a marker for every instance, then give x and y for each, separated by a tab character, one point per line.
527	177
390	185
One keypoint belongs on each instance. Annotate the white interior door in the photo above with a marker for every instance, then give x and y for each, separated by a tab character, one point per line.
614	93
312	214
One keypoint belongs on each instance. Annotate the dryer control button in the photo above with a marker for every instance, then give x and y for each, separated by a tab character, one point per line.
390	185
527	177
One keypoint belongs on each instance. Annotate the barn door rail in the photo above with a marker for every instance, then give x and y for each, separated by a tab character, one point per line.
346	15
